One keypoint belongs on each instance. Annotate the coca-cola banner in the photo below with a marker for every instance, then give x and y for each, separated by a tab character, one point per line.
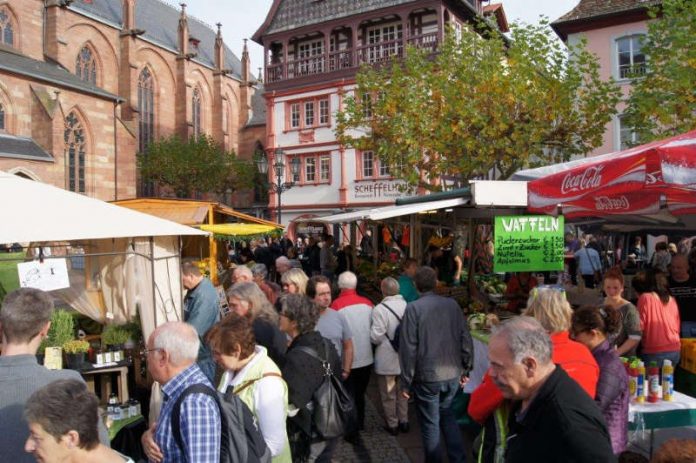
607	177
626	182
600	204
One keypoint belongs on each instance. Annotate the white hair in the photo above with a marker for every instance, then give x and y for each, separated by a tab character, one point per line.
389	287
282	260
347	280
525	337
259	270
179	340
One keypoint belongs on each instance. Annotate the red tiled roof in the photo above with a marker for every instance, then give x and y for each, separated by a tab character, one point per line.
496	9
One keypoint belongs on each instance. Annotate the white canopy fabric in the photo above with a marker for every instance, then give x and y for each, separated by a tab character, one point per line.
388	212
37	212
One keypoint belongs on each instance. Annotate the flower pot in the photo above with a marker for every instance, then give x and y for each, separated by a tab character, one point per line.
75	361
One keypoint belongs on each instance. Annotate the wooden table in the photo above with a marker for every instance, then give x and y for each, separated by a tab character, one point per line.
121	371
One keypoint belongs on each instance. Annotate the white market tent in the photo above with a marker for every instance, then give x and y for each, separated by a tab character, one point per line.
120	261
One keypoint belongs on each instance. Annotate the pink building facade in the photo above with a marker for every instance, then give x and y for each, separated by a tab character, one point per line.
613	30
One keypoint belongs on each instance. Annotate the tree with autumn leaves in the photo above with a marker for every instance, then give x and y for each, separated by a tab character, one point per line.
197	165
482	102
662	102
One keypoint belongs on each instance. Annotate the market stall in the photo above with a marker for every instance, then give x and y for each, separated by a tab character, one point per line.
202	214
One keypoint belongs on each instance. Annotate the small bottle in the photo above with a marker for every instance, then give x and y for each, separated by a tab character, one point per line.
125	414
100	356
117	356
653	382
641	388
667	381
633	383
108	356
132	409
111	405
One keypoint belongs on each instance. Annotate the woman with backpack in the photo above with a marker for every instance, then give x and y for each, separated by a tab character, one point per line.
254	378
304	374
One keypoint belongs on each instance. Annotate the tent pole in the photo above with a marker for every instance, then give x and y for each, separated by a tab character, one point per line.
152	277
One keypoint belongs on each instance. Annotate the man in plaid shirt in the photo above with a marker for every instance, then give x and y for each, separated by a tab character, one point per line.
171	360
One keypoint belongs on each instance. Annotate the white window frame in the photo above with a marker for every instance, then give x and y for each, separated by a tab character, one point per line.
615	56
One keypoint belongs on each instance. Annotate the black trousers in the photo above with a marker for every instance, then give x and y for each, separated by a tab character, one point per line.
356	383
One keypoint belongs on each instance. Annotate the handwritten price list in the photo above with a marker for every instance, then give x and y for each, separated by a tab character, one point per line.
528	243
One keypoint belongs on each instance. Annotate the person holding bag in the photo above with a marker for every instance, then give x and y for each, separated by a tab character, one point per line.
305	375
589	265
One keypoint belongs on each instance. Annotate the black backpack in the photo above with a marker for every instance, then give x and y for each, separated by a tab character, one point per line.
397	332
240	441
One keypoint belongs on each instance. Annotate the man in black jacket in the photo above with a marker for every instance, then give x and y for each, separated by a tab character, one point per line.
552	418
436	354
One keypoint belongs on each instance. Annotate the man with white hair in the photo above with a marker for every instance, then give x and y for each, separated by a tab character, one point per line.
357	311
171	360
270	290
552	418
386	317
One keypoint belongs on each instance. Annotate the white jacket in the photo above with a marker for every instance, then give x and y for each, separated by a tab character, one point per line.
384	324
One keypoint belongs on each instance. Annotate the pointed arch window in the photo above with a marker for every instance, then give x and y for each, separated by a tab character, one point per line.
2	118
196	112
75	153
146	109
6	28
86	66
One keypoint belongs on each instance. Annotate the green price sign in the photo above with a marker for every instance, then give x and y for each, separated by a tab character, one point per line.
528	243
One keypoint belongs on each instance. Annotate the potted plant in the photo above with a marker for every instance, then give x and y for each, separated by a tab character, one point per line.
75	351
61	331
114	337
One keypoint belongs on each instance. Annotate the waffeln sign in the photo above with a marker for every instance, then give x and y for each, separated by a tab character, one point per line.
528	243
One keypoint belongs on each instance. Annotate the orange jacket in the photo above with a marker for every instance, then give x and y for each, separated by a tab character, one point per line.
573	357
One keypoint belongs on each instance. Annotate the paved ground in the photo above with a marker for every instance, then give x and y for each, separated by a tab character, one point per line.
375	445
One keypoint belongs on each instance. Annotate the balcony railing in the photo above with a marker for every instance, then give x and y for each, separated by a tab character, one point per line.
375	53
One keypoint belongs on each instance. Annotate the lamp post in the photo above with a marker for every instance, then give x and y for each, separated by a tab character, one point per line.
278	186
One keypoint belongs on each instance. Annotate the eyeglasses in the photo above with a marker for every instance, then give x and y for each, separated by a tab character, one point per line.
144	352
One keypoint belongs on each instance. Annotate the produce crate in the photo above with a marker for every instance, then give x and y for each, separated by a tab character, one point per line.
688	354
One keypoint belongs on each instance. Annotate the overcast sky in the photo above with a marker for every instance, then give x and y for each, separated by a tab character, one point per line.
241	18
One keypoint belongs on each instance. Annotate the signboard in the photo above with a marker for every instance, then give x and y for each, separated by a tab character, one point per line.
528	243
47	276
381	189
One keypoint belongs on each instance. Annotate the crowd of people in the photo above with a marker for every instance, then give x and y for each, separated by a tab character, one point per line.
555	386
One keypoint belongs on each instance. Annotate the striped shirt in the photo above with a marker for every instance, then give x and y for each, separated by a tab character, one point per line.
200	421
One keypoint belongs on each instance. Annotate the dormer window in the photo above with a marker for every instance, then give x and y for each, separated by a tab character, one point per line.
194	42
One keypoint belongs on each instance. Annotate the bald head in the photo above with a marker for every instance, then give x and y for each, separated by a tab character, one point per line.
679	268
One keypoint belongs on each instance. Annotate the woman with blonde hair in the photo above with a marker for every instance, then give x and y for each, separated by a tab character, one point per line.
551	308
247	300
294	281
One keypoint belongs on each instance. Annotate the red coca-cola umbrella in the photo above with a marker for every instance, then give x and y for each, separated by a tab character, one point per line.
634	181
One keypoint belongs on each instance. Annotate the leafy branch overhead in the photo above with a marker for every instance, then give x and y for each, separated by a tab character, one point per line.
196	165
480	103
663	101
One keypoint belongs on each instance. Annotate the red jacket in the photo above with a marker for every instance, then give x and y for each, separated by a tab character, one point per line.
573	357
349	297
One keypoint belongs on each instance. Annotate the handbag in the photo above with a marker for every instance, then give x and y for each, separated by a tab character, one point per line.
333	409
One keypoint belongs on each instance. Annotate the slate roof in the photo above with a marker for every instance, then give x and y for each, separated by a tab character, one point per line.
160	22
22	148
258	109
49	72
292	14
588	9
